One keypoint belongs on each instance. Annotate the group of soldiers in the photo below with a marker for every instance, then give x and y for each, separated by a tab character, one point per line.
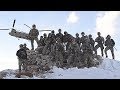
65	49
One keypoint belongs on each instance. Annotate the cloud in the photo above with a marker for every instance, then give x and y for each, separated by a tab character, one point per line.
72	18
106	22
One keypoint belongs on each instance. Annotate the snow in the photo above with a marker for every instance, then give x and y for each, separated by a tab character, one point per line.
109	69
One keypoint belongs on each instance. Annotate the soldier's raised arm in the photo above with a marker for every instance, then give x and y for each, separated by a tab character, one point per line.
30	32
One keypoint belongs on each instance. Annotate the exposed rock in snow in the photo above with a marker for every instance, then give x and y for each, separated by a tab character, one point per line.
109	69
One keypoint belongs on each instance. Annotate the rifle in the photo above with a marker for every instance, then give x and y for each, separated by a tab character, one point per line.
27	26
115	48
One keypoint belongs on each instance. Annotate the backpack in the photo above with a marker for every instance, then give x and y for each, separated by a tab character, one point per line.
22	54
113	43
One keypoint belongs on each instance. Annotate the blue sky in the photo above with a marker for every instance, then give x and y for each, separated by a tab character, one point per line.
107	22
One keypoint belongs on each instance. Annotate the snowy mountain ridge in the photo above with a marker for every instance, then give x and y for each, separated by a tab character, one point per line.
109	69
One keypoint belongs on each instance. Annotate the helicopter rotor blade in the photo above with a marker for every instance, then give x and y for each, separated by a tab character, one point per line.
4	29
14	23
39	30
44	30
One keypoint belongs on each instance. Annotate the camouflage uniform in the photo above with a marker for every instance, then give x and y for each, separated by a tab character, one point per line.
33	34
82	41
100	41
57	53
83	38
74	55
87	53
47	47
109	43
77	39
92	42
53	37
45	39
41	42
59	35
52	40
22	58
67	38
22	63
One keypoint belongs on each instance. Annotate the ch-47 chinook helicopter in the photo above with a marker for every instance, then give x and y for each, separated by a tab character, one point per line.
21	35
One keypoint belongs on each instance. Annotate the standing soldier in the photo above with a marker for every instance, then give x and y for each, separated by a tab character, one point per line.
109	43
83	38
47	47
77	39
87	53
44	38
52	38
59	35
59	52
74	53
33	35
41	41
92	42
100	41
67	39
22	57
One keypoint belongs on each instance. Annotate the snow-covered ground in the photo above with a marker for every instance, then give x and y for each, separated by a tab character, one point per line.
109	69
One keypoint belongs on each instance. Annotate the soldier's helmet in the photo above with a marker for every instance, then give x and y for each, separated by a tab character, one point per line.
86	36
65	32
21	45
52	31
25	44
98	33
108	36
41	36
44	34
90	36
59	30
77	34
82	33
33	25
49	35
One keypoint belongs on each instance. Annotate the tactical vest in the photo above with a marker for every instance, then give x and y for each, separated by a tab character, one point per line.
83	39
60	35
99	40
34	32
77	39
109	42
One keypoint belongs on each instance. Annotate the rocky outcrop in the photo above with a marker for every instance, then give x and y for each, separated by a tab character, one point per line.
37	62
